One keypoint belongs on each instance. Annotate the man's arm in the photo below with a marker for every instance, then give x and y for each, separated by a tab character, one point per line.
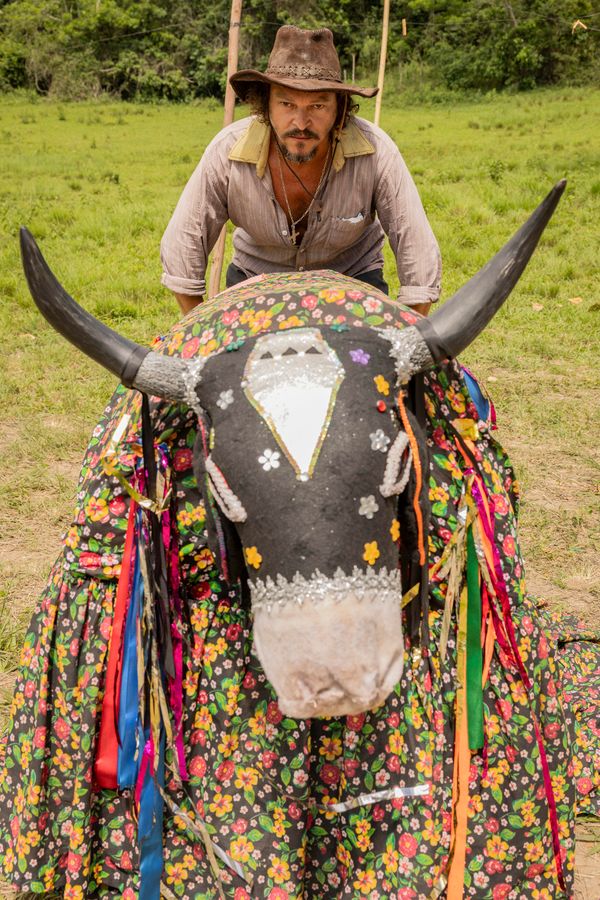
195	227
187	303
404	221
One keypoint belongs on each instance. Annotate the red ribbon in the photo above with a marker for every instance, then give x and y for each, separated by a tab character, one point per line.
107	748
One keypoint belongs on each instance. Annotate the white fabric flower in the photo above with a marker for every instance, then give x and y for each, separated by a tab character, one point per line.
368	506
269	460
225	399
379	440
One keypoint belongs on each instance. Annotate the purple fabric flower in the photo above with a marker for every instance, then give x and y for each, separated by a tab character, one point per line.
359	356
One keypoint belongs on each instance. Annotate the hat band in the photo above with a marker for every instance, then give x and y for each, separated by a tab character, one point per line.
304	72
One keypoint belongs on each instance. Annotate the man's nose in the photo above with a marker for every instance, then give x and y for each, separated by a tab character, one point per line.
302	119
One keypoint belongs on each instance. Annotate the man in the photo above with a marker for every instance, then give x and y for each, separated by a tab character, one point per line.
307	184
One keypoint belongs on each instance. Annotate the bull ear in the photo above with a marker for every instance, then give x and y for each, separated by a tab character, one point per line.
464	316
136	366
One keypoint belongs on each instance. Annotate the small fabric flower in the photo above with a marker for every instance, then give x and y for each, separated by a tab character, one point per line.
368	506
382	385
371	553
253	557
225	399
379	440
330	295
269	460
360	356
395	530
372	304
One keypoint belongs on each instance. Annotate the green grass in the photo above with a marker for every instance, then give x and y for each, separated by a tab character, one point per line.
96	184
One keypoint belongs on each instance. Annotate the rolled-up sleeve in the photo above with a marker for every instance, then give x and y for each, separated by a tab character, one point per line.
196	224
404	221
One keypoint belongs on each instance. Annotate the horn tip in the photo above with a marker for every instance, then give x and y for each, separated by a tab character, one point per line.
560	185
26	240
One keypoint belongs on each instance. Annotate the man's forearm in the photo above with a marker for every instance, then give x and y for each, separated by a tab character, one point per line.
187	303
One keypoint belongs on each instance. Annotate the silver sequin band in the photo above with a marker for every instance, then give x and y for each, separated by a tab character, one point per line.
408	350
198	828
370	586
191	378
417	790
171	378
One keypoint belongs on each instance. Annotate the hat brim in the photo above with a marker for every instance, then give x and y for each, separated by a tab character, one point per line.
242	81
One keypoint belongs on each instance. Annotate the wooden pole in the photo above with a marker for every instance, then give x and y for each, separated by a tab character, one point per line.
382	58
232	65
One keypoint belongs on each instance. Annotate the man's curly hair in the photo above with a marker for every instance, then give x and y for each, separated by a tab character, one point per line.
257	98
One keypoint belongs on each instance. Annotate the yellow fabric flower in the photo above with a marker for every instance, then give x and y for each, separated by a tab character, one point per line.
382	385
395	530
329	295
253	557
279	870
371	553
292	322
366	881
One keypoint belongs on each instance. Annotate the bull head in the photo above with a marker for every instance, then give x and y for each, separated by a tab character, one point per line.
304	467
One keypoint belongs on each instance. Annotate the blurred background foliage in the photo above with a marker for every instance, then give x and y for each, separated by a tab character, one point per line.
177	49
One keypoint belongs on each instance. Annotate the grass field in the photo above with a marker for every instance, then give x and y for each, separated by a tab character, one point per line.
96	184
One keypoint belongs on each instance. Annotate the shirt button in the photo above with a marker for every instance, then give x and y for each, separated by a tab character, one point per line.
301	249
284	233
301	268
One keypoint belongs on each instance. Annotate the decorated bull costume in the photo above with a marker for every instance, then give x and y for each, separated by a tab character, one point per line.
245	710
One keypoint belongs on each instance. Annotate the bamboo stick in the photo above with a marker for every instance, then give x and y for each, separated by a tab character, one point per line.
232	64
382	59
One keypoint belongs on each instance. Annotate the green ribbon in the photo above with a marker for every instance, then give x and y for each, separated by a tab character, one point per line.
474	650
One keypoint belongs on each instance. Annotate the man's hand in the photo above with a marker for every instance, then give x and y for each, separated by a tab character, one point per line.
187	303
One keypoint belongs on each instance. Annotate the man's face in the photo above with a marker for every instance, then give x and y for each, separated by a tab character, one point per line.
301	120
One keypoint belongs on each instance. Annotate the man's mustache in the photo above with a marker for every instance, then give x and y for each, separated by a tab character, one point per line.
301	134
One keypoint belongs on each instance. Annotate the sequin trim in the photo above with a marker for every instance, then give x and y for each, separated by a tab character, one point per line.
229	502
394	481
191	380
369	585
408	350
417	790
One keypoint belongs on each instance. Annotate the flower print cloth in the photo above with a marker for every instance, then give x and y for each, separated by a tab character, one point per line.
357	807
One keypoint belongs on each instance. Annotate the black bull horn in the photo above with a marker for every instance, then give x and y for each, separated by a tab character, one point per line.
445	334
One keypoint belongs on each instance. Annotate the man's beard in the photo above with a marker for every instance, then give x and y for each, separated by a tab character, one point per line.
299	157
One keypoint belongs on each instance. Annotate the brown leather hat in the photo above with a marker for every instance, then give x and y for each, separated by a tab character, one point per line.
303	60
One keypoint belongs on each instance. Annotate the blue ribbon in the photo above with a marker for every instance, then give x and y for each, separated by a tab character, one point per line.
129	757
150	828
482	404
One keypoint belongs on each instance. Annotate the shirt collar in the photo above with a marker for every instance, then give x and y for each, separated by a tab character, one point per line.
253	146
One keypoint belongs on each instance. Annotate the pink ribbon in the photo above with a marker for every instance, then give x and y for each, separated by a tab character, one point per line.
147	761
497	577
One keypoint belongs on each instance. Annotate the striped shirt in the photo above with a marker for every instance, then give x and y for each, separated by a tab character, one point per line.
369	193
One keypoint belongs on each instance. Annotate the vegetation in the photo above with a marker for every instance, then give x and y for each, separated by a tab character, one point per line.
177	49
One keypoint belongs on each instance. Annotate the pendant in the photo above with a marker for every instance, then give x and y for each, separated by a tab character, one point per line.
293	233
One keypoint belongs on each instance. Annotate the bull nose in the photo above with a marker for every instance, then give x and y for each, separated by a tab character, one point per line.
335	654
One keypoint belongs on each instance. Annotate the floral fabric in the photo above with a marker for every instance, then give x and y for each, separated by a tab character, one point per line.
288	799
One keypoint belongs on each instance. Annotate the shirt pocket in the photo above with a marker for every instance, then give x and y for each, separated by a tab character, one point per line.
344	230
